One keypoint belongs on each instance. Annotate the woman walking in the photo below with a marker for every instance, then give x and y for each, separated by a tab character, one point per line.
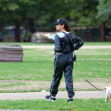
65	44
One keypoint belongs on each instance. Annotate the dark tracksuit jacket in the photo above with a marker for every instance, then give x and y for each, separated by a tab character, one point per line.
64	61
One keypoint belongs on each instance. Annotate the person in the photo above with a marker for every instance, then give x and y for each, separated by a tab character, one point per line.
65	44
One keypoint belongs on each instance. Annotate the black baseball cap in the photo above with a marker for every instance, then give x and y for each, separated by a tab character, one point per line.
61	21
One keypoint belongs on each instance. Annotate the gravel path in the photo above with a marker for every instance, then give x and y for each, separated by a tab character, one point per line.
41	95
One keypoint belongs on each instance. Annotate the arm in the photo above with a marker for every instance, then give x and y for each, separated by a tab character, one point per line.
57	44
78	42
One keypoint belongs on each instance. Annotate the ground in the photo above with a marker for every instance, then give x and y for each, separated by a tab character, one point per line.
79	84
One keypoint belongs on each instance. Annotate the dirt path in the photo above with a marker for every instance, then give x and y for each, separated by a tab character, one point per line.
79	84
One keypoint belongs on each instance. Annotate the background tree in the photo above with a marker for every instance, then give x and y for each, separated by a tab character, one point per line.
104	16
39	15
16	12
104	11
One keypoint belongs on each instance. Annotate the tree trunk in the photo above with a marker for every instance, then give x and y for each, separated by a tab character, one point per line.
102	32
17	33
32	25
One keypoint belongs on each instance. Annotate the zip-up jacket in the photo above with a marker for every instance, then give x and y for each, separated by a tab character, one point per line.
66	43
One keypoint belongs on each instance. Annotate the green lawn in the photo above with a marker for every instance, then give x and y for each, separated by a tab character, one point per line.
33	44
38	63
60	104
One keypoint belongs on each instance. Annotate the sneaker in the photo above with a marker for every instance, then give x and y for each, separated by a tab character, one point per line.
70	100
50	98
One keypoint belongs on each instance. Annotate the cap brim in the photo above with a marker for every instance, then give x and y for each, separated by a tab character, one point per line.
56	23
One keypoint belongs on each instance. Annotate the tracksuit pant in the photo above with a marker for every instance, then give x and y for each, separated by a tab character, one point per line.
62	63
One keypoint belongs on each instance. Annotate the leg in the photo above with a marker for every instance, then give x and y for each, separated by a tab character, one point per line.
58	71
68	78
106	97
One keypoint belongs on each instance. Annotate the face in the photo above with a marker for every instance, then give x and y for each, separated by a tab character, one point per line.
59	27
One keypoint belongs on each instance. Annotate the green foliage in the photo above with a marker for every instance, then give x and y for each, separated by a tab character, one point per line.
46	12
84	12
28	35
104	10
11	7
39	15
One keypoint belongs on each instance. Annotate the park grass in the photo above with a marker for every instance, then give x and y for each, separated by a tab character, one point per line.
97	43
38	63
11	84
28	44
52	44
60	104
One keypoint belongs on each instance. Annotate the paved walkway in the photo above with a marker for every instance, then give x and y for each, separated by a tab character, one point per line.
41	95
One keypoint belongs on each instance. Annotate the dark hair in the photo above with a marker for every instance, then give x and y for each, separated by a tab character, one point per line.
67	28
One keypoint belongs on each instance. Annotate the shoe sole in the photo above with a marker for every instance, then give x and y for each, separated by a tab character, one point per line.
50	100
